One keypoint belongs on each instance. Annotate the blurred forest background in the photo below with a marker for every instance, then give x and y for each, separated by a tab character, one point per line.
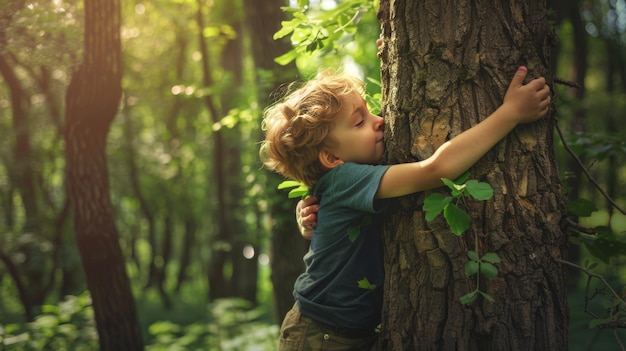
197	216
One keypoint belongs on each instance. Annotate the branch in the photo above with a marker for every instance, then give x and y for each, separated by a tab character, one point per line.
586	171
591	274
580	228
568	83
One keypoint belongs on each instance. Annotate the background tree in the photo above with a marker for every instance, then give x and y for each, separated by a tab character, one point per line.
443	71
92	101
263	20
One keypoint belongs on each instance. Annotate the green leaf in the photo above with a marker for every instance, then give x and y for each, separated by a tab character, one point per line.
488	270
300	190
354	232
471	268
581	207
457	219
457	189
487	296
491	257
365	284
473	255
286	28
434	204
462	178
469	298
286	58
597	322
288	184
479	190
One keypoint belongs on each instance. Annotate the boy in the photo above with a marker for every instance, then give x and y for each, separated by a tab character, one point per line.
324	136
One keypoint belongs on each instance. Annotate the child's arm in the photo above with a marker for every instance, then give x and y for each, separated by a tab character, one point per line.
522	104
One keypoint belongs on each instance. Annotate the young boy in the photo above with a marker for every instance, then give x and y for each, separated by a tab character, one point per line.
324	136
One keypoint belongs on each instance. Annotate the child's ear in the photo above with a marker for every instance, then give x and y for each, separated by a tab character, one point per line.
328	159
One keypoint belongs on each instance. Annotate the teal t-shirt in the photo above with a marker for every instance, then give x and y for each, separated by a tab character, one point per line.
346	249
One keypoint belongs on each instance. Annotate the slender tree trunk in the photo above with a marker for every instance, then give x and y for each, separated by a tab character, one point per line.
287	246
446	66
245	269
219	283
91	105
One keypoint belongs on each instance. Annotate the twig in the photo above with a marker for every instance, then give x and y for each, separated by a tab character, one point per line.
569	83
591	274
580	228
586	171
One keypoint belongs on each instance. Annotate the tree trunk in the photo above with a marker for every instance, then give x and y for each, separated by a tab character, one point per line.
287	247
446	66
91	105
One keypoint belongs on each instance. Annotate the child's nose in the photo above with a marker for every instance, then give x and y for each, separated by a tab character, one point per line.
379	122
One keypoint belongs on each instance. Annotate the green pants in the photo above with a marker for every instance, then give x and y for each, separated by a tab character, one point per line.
301	333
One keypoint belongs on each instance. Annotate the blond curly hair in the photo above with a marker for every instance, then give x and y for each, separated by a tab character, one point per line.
298	127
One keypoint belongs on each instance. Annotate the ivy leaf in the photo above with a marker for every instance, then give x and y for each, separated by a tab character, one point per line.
488	270
457	219
479	190
434	204
365	284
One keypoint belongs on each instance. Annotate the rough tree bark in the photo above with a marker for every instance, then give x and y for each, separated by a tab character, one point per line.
91	105
446	66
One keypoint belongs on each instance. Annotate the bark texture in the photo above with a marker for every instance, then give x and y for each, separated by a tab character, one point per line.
446	66
91	105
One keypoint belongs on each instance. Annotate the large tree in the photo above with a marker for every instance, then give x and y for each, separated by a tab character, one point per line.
92	102
445	67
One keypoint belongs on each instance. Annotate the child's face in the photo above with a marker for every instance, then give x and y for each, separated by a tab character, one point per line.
358	133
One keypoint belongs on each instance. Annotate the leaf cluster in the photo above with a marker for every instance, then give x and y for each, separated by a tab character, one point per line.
321	30
459	221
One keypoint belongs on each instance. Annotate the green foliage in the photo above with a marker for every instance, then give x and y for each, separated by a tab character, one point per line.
603	245
321	30
67	326
598	146
300	190
459	221
231	324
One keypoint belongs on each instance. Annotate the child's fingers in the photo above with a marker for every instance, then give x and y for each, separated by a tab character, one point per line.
518	78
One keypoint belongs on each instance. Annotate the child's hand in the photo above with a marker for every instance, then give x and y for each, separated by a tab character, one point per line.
306	216
527	103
